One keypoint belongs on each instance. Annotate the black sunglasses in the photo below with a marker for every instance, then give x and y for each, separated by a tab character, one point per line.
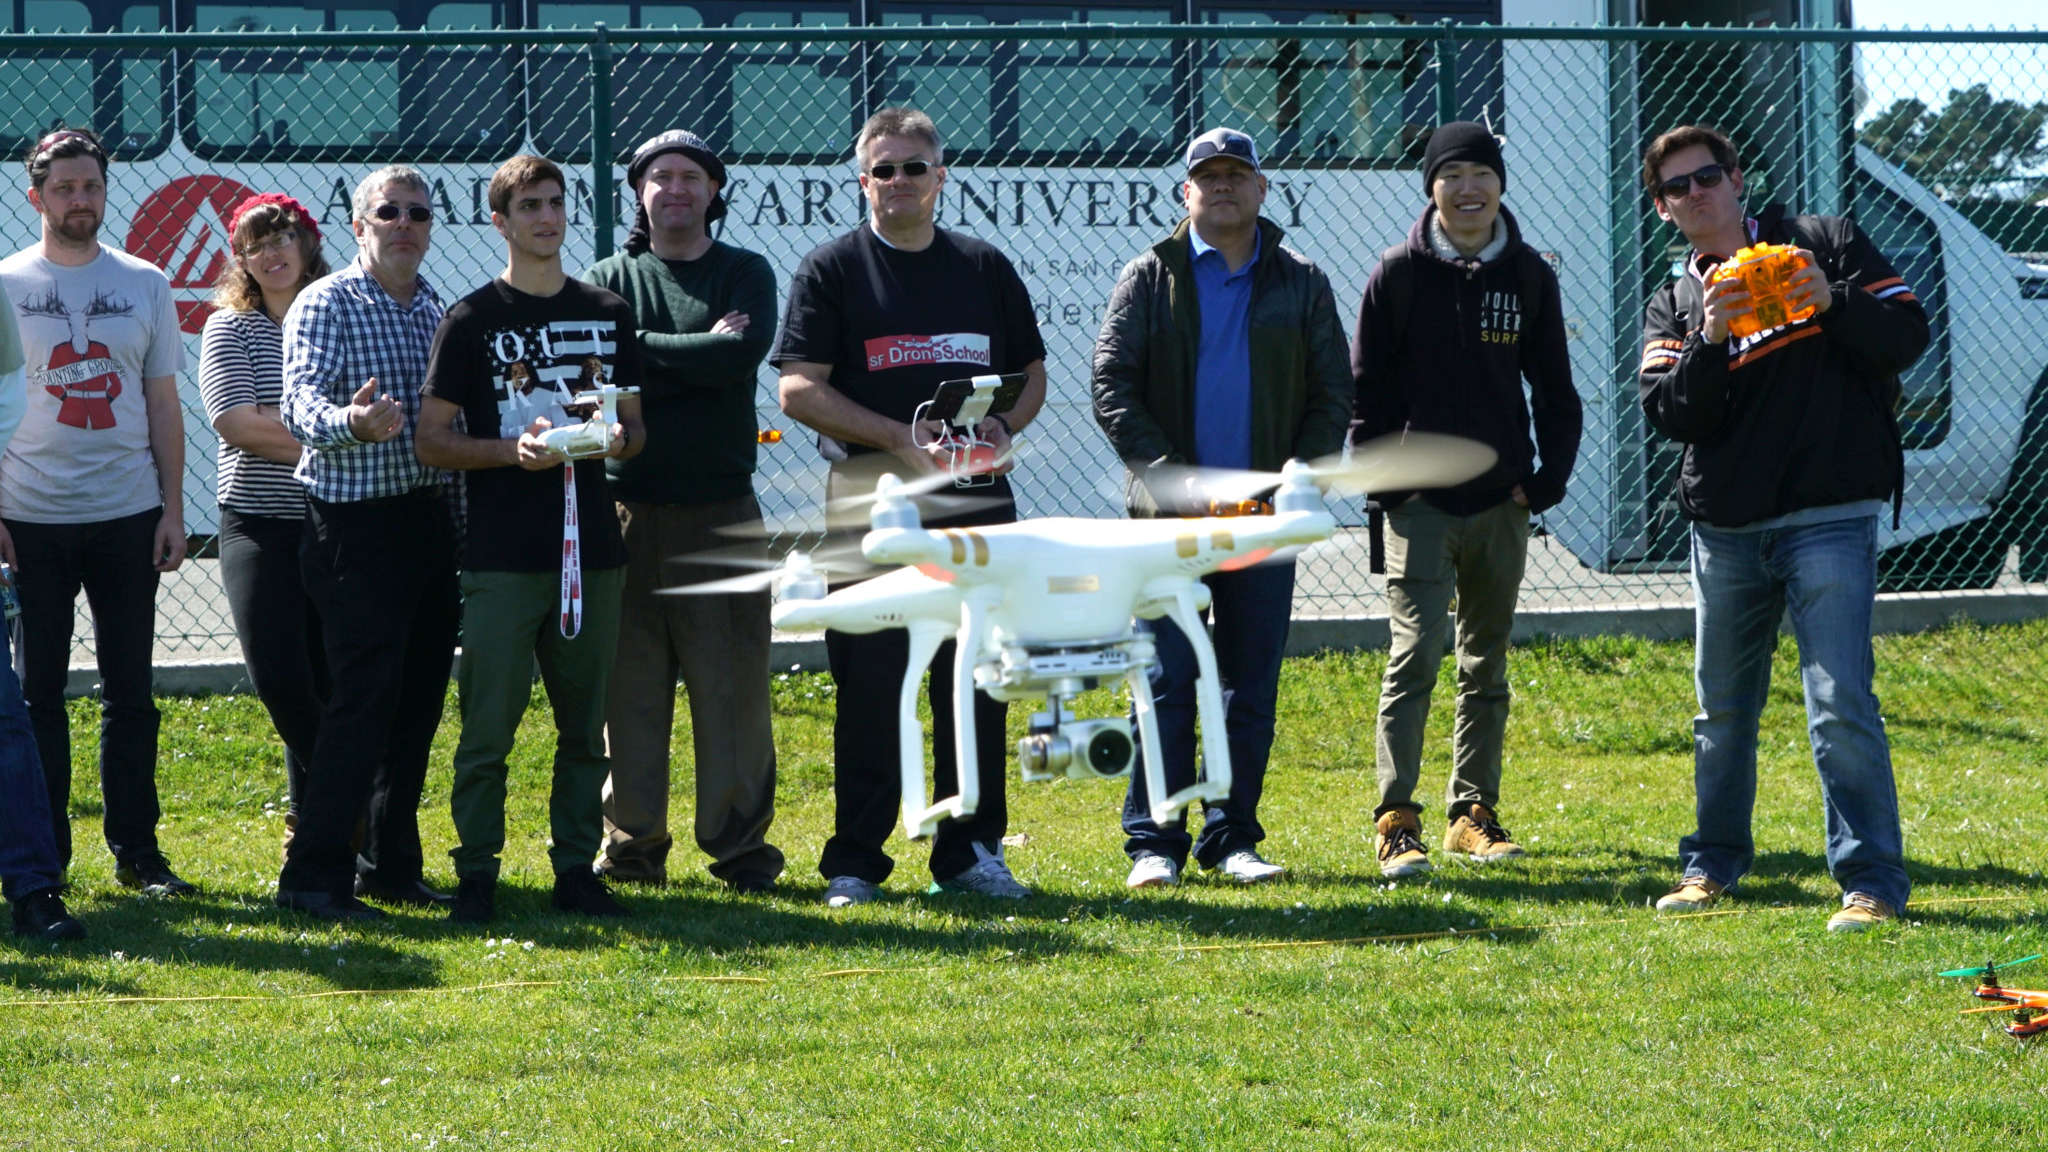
911	168
419	213
1677	186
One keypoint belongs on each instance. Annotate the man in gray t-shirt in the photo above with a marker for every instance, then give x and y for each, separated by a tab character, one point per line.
91	493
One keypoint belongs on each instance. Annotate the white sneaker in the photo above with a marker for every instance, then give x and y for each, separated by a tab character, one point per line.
989	876
1248	867
846	891
1150	871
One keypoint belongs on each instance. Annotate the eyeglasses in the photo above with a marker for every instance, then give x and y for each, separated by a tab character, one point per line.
911	168
1677	186
276	242
417	213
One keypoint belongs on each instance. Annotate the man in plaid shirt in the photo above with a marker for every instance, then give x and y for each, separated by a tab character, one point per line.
379	557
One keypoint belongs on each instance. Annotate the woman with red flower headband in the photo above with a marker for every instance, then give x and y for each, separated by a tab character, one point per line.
276	252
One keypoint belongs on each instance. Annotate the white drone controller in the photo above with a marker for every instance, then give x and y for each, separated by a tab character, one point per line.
593	437
971	459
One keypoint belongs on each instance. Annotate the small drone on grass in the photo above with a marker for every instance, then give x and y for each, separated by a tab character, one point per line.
2029	1009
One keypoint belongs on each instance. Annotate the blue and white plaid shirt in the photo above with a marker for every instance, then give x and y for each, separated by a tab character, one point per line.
340	332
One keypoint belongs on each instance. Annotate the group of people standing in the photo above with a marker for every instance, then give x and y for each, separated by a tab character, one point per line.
348	402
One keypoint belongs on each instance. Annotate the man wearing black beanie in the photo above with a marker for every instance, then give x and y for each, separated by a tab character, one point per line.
706	315
1452	323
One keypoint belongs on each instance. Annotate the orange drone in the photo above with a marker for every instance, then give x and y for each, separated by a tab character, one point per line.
2029	1009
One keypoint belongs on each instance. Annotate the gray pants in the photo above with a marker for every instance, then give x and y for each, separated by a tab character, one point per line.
1430	556
718	645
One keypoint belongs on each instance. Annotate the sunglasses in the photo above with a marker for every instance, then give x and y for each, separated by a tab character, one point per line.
911	168
1677	186
418	213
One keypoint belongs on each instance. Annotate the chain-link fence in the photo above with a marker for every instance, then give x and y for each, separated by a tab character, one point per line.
1063	141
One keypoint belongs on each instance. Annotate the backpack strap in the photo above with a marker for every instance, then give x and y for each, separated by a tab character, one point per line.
1397	280
1397	292
1531	270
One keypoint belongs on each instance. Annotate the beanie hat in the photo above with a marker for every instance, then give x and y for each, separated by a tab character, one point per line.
687	143
1462	140
293	210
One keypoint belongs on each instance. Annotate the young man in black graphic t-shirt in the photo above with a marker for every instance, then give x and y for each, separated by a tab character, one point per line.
541	570
876	320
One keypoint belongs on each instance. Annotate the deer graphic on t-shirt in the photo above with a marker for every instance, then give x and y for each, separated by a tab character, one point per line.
81	373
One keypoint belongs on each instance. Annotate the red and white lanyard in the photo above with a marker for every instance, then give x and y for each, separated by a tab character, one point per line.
572	557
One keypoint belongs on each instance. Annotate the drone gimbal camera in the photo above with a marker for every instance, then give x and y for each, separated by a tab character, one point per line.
593	437
962	405
1057	743
1080	749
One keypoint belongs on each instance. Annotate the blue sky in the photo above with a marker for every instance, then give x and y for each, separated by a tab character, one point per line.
1947	14
2013	71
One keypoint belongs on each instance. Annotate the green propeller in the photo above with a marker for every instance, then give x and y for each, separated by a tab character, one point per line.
1988	967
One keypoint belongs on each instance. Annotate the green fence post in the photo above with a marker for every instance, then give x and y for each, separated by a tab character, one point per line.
1446	75
604	196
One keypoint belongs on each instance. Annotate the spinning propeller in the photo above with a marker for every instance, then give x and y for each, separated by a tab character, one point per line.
798	576
932	491
1395	462
1990	969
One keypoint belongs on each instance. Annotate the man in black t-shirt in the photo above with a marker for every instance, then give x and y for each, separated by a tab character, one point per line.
876	320
543	558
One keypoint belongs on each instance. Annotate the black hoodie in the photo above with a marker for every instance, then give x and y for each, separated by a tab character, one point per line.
1453	357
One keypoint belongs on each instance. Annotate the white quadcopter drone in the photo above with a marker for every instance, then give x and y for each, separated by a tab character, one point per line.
1046	607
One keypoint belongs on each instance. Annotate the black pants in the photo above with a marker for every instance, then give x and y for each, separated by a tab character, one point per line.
381	574
110	560
279	630
867	770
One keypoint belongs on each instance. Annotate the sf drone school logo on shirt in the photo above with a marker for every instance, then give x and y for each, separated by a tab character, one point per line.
947	348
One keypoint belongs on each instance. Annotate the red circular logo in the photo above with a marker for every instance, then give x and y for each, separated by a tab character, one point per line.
183	229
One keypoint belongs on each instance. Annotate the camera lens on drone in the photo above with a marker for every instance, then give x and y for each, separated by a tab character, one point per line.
1109	751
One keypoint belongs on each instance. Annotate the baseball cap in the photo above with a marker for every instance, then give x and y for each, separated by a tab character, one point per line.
1222	142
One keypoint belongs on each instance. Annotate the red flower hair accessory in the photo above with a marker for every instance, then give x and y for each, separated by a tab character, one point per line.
297	211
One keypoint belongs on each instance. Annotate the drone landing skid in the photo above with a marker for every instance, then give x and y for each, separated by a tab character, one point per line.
920	817
1213	776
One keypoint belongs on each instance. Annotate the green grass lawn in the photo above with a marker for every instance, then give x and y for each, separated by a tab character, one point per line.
1537	1004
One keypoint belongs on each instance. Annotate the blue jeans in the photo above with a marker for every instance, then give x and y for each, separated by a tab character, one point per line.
28	848
1251	608
1744	581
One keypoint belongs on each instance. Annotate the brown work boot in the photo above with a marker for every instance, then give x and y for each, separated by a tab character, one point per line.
1860	912
1477	836
1693	894
1398	841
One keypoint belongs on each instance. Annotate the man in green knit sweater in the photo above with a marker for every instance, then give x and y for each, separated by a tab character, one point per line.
706	315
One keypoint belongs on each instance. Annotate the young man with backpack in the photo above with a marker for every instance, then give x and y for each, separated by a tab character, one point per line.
1453	321
1791	453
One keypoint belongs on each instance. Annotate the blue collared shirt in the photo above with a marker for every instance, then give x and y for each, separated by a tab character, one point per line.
1223	356
342	331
